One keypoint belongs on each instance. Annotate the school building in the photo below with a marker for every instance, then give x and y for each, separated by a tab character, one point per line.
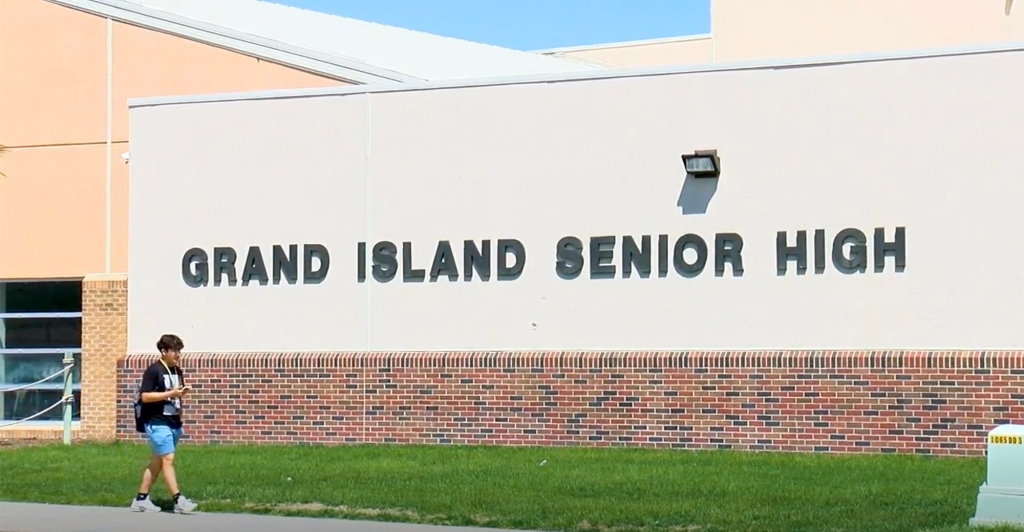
369	234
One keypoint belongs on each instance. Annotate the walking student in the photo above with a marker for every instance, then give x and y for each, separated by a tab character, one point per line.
158	414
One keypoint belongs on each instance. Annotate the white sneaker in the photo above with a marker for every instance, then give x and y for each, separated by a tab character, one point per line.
184	506
145	505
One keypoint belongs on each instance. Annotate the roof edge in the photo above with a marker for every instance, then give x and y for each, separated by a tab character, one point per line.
833	60
625	44
334	67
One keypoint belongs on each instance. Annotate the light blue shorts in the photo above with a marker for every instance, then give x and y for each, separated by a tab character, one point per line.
162	439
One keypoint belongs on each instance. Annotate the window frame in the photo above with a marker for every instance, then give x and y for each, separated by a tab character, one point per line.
55	384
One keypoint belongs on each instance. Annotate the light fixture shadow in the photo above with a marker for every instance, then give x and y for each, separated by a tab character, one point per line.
696	194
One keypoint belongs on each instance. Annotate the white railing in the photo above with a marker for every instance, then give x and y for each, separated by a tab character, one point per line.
67	398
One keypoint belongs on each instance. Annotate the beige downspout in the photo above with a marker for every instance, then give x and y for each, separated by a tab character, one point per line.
110	139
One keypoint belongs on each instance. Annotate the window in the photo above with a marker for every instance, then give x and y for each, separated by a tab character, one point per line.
39	322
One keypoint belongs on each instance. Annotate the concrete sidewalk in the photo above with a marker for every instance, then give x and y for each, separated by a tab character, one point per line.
26	517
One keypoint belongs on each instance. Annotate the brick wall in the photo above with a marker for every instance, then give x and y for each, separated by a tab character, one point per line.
104	342
21	433
921	402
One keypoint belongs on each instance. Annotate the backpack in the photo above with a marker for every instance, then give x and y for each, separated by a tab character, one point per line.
140	424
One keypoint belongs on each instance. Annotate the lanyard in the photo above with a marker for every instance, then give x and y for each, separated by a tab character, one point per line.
164	364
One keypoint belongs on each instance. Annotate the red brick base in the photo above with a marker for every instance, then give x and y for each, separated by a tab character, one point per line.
903	402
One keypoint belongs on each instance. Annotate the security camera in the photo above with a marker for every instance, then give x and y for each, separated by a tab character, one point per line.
125	157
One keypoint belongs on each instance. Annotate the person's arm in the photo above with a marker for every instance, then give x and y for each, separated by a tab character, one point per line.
184	389
150	385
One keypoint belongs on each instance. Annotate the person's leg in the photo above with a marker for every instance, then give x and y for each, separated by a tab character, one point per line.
181	503
142	502
149	475
162	440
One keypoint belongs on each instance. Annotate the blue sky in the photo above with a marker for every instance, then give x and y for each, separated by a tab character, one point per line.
530	24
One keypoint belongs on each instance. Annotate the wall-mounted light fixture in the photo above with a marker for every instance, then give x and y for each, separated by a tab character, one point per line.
702	163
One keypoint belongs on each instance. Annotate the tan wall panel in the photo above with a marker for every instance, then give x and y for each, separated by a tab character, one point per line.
52	212
53	83
52	63
684	52
777	29
149	63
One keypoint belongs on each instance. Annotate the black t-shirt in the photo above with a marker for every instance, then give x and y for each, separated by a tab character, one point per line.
158	379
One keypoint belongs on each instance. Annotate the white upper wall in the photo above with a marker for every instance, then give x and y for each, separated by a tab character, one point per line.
421	55
930	145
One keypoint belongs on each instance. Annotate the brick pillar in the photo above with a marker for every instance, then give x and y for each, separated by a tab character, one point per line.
104	341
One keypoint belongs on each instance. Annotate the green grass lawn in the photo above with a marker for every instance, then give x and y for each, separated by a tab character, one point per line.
576	489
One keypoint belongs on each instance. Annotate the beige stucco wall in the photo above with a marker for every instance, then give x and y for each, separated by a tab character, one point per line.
771	29
743	30
53	117
688	50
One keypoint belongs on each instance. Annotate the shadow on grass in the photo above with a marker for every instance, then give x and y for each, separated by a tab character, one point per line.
393	515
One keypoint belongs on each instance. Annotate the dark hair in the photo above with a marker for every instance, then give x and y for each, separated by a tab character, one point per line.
169	342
